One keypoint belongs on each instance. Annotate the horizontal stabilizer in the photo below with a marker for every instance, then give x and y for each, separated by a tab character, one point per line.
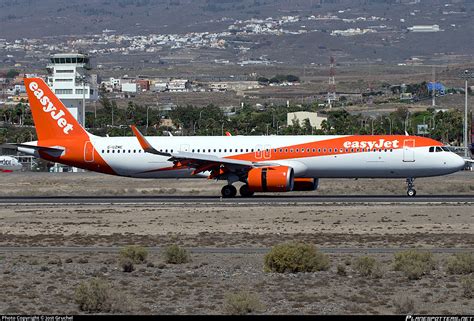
53	151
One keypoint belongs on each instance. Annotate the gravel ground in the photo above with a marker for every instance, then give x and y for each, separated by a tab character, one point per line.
44	282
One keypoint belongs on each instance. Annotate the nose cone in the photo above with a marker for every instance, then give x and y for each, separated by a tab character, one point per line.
457	162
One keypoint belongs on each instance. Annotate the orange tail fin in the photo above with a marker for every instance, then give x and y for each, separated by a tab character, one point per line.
53	121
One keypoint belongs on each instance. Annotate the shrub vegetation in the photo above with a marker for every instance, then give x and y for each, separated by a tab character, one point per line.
414	264
461	263
174	254
137	254
242	302
294	257
368	266
96	295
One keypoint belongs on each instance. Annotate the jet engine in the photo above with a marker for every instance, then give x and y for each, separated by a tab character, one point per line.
271	179
305	184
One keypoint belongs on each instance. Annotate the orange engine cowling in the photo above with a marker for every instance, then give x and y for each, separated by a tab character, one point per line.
306	184
271	179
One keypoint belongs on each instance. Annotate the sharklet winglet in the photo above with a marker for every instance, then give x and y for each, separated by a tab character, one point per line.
145	144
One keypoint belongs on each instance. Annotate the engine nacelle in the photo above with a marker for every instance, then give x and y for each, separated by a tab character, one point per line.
271	179
305	184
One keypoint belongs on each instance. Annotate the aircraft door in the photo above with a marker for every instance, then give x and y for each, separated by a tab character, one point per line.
267	152
409	150
88	152
258	151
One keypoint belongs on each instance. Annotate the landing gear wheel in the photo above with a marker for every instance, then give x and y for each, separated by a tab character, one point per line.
228	191
411	192
245	191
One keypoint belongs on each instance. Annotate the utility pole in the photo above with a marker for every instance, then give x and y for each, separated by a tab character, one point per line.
433	90
84	101
466	76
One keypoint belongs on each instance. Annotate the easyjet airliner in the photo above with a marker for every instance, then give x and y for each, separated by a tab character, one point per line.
262	163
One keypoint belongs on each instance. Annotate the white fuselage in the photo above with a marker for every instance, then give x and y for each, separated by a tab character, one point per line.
127	158
8	163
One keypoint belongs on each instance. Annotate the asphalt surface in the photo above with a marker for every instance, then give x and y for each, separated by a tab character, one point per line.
258	199
223	250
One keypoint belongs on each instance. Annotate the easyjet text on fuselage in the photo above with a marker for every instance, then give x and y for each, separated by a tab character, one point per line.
381	143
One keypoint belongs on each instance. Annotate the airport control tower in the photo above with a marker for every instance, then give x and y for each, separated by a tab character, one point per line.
70	80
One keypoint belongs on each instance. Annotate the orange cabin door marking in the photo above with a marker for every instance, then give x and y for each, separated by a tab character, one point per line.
409	150
88	152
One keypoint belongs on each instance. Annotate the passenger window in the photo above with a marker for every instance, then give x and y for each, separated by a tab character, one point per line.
281	150
297	150
108	151
314	150
134	150
113	151
324	150
286	150
129	151
319	150
330	150
171	151
291	150
241	150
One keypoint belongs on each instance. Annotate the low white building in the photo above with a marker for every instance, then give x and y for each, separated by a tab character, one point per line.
129	87
300	116
424	28
178	85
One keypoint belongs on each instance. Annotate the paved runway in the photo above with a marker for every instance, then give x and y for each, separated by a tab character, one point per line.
259	199
226	250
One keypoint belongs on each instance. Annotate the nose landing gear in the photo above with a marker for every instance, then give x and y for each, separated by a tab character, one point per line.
411	192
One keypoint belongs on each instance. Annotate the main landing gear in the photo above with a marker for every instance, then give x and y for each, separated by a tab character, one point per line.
245	191
230	191
411	187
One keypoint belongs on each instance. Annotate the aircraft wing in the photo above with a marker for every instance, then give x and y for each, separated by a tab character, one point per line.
201	162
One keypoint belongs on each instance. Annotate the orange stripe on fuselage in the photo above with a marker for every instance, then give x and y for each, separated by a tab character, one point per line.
323	147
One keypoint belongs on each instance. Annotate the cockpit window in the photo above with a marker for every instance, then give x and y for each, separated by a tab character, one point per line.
431	149
446	149
438	149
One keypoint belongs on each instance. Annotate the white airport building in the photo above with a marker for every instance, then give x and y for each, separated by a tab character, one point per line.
424	28
70	81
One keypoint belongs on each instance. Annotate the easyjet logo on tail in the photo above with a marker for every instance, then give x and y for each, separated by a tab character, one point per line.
381	143
48	107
